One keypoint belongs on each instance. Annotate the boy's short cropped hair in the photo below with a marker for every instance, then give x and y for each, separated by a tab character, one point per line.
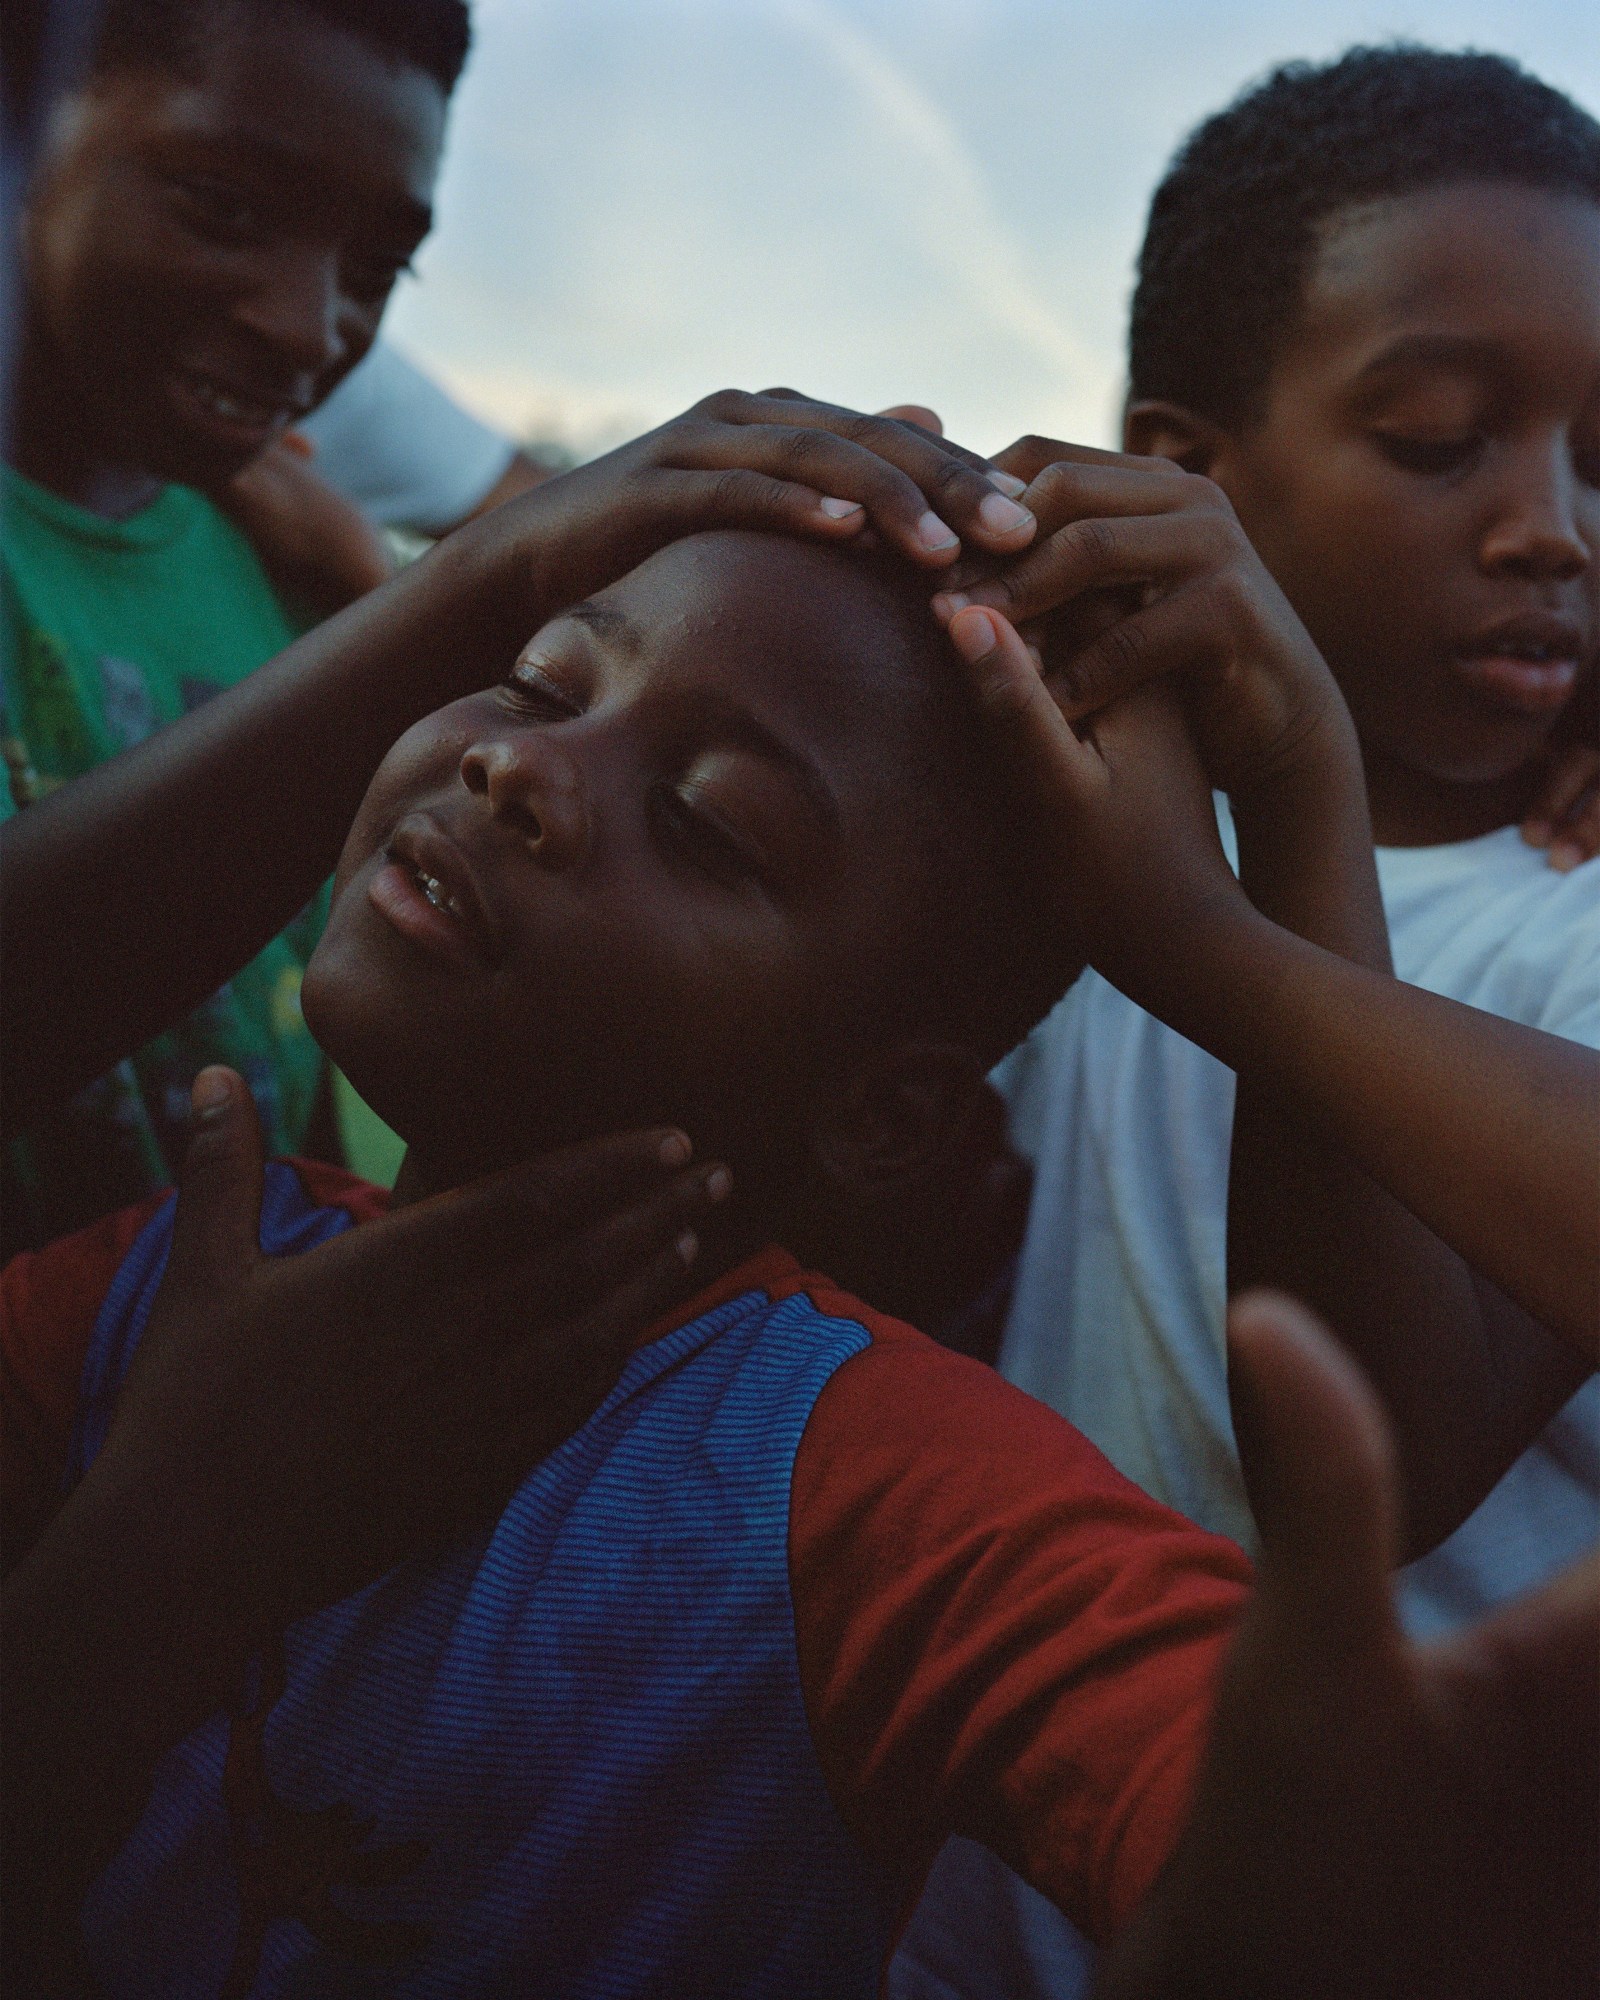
1233	226
433	35
988	961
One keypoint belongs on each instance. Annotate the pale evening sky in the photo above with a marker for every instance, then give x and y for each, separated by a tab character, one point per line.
870	200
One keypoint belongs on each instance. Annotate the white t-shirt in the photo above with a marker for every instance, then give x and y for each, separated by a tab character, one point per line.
1117	1317
390	439
1118	1313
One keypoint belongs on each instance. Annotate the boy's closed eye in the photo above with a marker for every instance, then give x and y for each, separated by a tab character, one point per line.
729	811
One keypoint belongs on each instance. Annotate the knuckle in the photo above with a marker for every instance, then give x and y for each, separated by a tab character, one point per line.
1091	541
723	406
1123	647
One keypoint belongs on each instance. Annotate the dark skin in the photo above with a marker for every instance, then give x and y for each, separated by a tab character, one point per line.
1148	570
250	797
206	255
650	854
1425	472
550	801
657	821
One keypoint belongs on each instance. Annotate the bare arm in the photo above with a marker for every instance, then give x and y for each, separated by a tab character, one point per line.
179	859
1364	1172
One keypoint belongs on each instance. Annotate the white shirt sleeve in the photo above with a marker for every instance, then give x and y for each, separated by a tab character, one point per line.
390	439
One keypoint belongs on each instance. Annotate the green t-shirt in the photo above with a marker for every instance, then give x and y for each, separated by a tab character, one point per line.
110	630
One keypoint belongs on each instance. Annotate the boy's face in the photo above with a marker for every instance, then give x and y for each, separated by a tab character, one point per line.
1425	484
207	255
663	872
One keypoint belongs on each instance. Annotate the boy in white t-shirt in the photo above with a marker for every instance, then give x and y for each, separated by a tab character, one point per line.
1368	310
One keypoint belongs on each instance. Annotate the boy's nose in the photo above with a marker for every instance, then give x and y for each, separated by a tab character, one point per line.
533	786
297	310
1538	532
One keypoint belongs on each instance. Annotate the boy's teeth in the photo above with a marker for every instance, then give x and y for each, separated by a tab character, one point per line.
434	891
234	409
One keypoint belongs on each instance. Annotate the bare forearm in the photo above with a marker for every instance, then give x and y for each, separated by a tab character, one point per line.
1468	1378
1484	1129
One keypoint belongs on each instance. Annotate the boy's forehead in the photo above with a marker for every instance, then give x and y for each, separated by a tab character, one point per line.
301	94
753	610
1470	259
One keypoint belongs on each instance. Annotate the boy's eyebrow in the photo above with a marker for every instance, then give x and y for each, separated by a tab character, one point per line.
606	621
732	721
413	219
1434	350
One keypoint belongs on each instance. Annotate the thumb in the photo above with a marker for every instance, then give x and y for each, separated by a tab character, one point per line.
1319	1466
216	1233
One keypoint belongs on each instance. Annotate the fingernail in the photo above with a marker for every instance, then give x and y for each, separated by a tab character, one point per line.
948	603
1002	516
688	1246
675	1150
1564	857
719	1184
934	535
210	1093
838	510
1008	483
974	635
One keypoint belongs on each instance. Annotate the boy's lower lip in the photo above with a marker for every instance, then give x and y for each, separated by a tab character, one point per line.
395	893
1523	686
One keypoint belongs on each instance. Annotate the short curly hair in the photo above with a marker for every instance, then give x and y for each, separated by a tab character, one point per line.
432	35
1233	227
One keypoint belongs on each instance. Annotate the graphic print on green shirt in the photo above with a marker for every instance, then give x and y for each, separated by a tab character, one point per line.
110	630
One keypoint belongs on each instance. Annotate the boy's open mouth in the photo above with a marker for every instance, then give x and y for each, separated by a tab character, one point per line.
425	890
226	410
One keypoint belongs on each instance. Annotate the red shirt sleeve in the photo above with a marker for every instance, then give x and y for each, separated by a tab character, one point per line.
998	1634
49	1301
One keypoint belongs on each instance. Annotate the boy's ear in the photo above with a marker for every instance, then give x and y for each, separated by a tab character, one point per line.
1168	430
900	1116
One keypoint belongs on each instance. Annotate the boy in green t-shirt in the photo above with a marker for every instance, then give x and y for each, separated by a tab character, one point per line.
211	235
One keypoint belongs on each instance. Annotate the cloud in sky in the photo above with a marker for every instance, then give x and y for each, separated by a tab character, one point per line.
872	200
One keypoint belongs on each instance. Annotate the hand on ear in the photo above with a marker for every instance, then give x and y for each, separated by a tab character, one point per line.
917	1197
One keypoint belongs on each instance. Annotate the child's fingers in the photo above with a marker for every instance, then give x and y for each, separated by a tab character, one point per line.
1028	456
922	494
925	420
216	1230
512	1216
1020	711
1096	553
577	1275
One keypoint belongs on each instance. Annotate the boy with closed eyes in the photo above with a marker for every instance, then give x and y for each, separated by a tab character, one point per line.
688	1706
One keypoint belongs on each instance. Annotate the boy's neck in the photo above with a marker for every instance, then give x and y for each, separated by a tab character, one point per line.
1411	808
